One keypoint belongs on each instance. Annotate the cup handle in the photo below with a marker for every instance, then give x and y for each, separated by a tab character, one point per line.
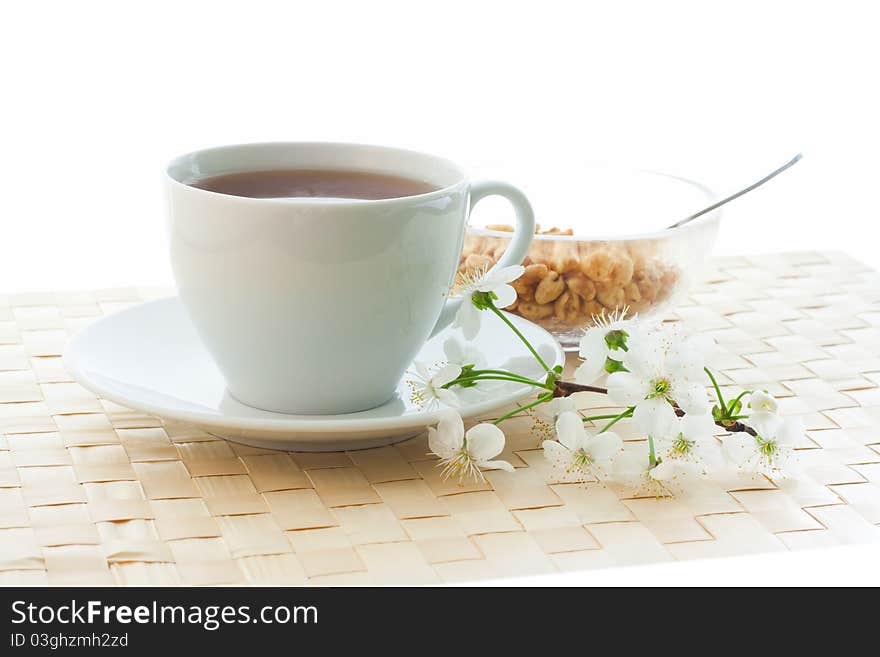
519	244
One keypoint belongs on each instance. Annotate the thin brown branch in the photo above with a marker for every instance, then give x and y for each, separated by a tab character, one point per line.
738	426
566	388
733	427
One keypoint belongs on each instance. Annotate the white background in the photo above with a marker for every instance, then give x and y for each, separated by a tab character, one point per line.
97	96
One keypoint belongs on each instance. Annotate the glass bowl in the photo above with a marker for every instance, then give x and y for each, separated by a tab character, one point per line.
597	259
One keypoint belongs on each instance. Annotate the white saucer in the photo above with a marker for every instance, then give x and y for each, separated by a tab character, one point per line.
149	358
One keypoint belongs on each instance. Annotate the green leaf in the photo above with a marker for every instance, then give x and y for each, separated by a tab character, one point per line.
483	300
558	369
717	413
612	366
734	407
465	373
616	339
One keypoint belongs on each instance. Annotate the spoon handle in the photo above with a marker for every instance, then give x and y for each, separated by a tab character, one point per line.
754	185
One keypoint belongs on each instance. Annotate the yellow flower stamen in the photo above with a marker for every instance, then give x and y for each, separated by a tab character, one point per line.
462	466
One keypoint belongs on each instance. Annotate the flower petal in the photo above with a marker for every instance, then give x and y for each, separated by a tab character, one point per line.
570	430
473	356
589	372
594	351
510	273
629	467
484	441
454	350
506	296
556	453
446	374
468	319
739	448
654	416
496	465
604	446
644	355
625	388
422	371
499	276
692	398
555	407
559	405
766	424
450	430
762	402
663	471
438	444
791	432
710	457
447	397
697	426
683	362
592	344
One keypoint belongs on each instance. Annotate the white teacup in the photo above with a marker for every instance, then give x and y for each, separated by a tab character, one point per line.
313	305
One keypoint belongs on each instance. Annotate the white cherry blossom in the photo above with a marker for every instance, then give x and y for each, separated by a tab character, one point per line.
426	388
664	367
544	416
607	339
460	352
635	470
496	281
691	443
576	451
771	451
463	454
762	407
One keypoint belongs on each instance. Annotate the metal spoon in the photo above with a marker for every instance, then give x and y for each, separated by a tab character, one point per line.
754	185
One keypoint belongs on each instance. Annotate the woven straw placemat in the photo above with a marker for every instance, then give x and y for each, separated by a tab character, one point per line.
94	493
